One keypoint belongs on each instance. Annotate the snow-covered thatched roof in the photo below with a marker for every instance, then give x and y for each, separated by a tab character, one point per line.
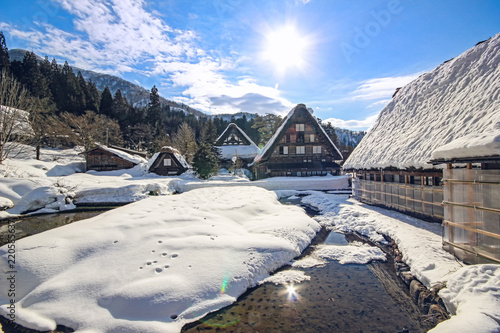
460	97
171	150
286	123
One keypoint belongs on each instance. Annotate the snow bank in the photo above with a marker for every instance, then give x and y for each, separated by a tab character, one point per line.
154	265
472	295
354	253
47	199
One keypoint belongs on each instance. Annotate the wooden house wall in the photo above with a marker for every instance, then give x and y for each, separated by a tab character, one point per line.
161	169
101	160
414	193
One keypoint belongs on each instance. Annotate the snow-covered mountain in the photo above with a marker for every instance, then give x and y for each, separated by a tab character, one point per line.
349	138
458	98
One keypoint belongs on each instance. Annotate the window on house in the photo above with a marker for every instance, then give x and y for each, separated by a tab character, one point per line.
316	149
283	150
300	150
299	127
167	162
300	137
311	138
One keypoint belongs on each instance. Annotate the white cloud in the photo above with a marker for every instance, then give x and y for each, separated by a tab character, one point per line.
363	124
381	88
118	36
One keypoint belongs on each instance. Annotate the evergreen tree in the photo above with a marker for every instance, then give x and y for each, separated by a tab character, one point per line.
119	108
46	74
31	77
93	97
106	104
56	85
209	132
154	108
83	89
205	161
267	126
4	54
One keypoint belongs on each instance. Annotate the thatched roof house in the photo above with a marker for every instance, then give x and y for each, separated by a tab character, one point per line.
103	158
168	162
300	147
438	143
235	142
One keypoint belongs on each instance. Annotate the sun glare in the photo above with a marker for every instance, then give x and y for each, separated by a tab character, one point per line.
285	48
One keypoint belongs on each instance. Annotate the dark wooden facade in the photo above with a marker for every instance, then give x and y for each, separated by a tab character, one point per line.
168	162
299	148
102	159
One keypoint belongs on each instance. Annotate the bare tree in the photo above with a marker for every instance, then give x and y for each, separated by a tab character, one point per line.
91	129
15	104
184	140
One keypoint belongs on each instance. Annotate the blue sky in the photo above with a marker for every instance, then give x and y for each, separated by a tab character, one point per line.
343	58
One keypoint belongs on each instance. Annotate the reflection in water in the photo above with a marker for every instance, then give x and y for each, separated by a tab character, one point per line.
35	224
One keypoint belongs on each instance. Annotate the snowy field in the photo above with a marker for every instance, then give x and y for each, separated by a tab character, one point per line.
166	260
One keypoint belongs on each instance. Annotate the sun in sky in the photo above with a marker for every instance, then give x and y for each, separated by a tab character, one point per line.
285	48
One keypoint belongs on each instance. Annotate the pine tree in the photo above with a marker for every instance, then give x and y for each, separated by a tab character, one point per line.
267	126
32	78
205	161
154	108
4	54
119	108
209	132
93	97
106	104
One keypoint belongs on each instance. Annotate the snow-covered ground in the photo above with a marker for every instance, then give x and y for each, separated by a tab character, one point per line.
154	265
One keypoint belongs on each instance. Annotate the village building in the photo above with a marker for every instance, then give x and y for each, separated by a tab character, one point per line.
300	147
434	152
235	144
103	158
168	162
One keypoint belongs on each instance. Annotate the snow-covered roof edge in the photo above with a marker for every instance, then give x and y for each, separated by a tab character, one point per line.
173	151
474	145
271	141
241	131
126	156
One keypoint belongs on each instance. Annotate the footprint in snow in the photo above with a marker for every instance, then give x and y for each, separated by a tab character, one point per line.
175	255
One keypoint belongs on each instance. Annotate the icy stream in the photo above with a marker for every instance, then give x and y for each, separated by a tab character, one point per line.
337	298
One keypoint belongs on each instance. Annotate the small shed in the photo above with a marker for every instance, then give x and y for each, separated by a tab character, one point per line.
168	162
103	158
235	142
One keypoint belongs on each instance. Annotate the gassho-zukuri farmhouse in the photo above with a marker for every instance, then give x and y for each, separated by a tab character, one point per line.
434	152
